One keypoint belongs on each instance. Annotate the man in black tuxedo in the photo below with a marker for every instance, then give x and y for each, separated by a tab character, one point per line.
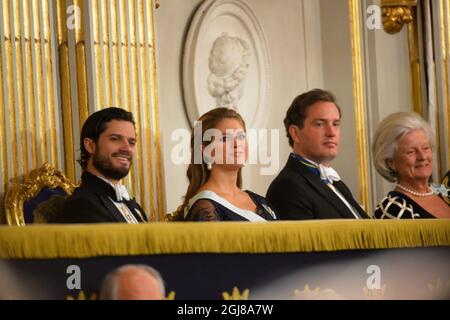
107	145
307	187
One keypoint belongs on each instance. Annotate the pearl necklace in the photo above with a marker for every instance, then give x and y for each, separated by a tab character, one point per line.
417	194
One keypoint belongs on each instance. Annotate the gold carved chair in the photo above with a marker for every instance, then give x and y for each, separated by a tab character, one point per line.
39	197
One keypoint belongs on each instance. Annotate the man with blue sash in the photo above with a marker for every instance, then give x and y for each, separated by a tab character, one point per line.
308	187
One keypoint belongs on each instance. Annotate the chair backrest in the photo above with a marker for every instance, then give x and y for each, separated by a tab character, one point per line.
45	190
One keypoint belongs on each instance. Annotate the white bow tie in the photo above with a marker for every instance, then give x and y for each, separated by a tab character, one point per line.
328	173
121	192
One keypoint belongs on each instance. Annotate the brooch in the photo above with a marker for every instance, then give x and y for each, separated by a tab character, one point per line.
440	189
269	210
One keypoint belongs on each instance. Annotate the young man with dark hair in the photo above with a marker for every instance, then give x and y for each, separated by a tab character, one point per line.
107	145
307	187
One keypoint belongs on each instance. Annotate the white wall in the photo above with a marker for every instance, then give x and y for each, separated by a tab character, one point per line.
388	87
292	73
337	69
387	84
171	21
309	46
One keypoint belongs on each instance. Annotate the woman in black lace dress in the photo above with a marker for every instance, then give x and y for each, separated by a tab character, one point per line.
403	153
219	151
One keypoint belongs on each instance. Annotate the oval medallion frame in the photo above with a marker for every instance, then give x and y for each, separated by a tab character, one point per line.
212	19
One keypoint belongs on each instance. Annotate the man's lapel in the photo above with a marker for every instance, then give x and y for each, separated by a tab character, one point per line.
111	208
343	189
103	191
324	191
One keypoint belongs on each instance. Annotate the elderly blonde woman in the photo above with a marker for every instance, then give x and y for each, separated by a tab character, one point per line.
403	153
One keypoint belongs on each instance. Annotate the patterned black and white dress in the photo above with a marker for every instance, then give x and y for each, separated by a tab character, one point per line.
397	205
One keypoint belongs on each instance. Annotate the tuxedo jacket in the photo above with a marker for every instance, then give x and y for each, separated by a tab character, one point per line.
91	202
298	193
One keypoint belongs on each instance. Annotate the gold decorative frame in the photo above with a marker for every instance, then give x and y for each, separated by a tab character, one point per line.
358	98
44	177
114	63
395	14
444	9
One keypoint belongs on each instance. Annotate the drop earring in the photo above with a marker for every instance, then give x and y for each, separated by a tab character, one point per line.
208	162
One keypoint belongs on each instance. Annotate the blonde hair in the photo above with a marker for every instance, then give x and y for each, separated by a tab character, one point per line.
388	134
198	174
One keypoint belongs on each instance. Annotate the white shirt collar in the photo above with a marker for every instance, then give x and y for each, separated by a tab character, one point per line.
120	189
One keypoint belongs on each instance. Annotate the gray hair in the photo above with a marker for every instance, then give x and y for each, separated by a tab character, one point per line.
388	134
110	284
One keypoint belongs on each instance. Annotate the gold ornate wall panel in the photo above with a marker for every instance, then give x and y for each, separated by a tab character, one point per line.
66	99
61	61
29	107
444	30
124	75
396	14
359	103
434	85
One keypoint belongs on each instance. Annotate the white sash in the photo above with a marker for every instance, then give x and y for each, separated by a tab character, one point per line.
206	194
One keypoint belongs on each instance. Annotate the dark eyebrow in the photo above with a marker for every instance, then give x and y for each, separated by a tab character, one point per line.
325	120
116	135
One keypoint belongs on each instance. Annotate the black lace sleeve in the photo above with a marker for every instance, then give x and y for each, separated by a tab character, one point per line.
264	209
203	210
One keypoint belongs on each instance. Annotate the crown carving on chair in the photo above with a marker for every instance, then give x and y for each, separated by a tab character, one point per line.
315	294
82	296
236	294
170	296
44	177
375	294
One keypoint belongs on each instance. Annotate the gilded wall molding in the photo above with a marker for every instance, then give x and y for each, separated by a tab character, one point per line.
30	113
394	18
444	16
60	61
359	104
397	13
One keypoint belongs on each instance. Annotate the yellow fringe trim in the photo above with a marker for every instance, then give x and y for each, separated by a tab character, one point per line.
81	241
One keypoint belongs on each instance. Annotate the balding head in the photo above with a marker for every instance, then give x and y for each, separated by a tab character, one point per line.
133	282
